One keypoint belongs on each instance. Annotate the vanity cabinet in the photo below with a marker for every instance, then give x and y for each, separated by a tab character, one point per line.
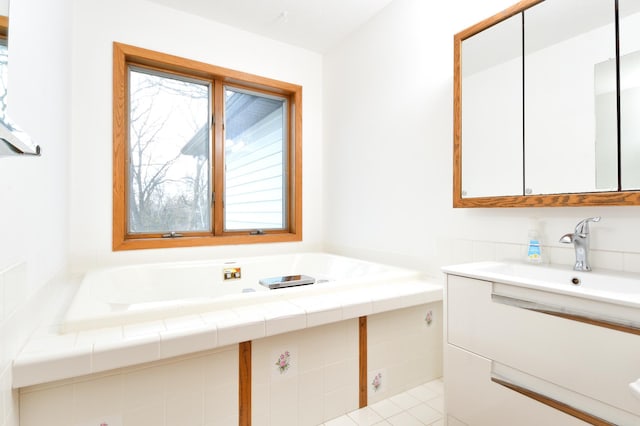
507	364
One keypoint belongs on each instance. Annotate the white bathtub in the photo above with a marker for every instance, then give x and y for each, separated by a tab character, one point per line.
128	294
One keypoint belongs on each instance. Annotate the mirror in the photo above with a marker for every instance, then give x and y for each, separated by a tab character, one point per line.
629	13
13	141
569	137
492	70
564	40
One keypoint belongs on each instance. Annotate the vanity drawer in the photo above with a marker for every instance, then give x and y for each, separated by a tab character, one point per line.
473	399
593	361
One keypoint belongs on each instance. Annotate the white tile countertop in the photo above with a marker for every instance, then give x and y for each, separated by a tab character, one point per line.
50	356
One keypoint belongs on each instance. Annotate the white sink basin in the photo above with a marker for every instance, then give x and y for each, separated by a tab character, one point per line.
606	286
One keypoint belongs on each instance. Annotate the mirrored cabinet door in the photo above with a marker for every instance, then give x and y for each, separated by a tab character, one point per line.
492	111
569	108
629	15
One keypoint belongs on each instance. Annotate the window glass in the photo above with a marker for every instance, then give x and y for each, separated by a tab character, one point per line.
255	159
202	152
169	161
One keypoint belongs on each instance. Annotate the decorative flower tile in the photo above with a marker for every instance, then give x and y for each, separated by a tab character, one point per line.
429	317
377	381
283	362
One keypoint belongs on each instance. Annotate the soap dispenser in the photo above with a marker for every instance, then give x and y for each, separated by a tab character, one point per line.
534	246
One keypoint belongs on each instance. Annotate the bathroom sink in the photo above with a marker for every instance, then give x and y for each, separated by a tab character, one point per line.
605	286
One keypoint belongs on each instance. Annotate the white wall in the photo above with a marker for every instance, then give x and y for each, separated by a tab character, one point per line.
33	191
137	22
388	114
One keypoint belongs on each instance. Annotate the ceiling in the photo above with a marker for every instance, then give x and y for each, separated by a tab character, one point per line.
312	24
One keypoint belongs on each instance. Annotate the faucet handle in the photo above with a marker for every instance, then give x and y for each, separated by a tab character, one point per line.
566	238
583	226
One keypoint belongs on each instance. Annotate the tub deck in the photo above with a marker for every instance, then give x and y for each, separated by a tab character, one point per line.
51	356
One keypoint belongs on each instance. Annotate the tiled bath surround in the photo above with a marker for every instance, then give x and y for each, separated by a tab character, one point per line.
20	313
404	348
319	383
199	389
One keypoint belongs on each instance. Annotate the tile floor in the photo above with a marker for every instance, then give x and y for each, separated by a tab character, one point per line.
420	406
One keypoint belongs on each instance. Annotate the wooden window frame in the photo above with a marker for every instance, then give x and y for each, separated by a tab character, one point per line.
125	55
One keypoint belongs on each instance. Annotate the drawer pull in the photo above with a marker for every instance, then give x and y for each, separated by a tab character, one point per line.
635	388
553	403
562	313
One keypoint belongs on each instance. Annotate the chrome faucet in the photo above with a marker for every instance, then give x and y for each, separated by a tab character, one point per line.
580	240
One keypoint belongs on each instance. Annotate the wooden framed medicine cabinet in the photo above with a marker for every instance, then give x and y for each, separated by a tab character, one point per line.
543	96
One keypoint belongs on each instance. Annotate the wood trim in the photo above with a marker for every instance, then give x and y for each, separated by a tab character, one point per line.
622	198
561	406
120	136
244	386
600	323
158	243
363	397
174	63
295	206
497	18
627	198
218	158
4	26
125	54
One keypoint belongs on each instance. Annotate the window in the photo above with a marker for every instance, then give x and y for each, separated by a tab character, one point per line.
4	64
202	155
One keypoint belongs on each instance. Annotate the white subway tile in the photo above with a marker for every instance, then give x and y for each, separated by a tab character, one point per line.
356	303
483	251
15	287
631	262
601	259
144	415
101	336
143	388
282	317
339	375
51	343
235	331
39	367
5	387
143	329
185	408
2	303
53	406
98	399
512	252
184	322
311	390
462	251
321	309
341	401
181	342
107	356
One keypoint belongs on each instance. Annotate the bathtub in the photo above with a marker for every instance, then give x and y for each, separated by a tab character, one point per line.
129	294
